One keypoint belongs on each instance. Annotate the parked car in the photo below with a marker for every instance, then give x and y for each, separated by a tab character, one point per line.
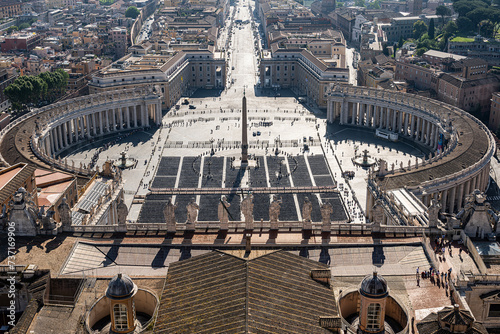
192	107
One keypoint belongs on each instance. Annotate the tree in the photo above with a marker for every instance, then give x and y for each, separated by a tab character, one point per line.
486	28
431	29
24	26
443	11
385	50
132	12
464	25
11	29
359	3
462	7
401	42
419	28
419	52
450	28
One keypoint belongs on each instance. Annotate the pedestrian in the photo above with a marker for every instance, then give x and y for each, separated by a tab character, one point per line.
418	281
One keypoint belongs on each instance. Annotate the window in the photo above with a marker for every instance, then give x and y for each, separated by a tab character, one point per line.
494	311
201	68
120	315
373	316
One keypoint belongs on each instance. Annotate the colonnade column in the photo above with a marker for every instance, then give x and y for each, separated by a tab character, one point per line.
88	126
444	198
460	196
100	123
107	120
65	134
52	142
134	110
127	116
412	126
405	130
467	188
395	120
120	110
452	199
59	136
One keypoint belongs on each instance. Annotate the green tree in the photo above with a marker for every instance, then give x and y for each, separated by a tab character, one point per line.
462	7
24	26
464	25
419	28
132	12
431	29
11	29
359	3
443	11
401	42
486	28
385	50
419	52
450	28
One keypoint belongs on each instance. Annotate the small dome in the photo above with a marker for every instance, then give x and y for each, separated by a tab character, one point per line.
374	286
121	287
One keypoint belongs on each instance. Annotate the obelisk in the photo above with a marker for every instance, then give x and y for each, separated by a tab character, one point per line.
244	138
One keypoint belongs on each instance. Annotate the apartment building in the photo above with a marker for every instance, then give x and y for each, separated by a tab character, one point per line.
10	8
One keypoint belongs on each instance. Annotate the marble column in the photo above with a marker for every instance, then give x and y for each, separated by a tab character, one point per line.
134	110
107	120
353	112
87	126
113	113
127	116
387	118
120	110
405	129
460	196
452	199
394	121
100	123
400	122
64	129
412	127
467	190
52	143
444	198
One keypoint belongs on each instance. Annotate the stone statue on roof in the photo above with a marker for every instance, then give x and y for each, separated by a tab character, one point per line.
274	212
326	211
122	212
64	212
247	210
169	215
192	211
433	212
306	210
223	212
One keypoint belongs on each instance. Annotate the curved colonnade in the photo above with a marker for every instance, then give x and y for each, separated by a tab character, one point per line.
462	145
68	123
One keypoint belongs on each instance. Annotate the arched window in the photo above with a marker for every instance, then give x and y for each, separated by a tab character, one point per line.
373	317
120	316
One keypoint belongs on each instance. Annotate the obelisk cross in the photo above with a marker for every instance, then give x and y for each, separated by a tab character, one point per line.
244	138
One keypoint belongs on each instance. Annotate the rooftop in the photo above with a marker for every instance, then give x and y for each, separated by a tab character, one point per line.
196	295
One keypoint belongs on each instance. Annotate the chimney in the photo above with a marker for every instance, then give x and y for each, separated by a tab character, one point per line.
321	275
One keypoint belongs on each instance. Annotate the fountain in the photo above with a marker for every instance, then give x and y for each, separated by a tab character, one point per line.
364	160
123	162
